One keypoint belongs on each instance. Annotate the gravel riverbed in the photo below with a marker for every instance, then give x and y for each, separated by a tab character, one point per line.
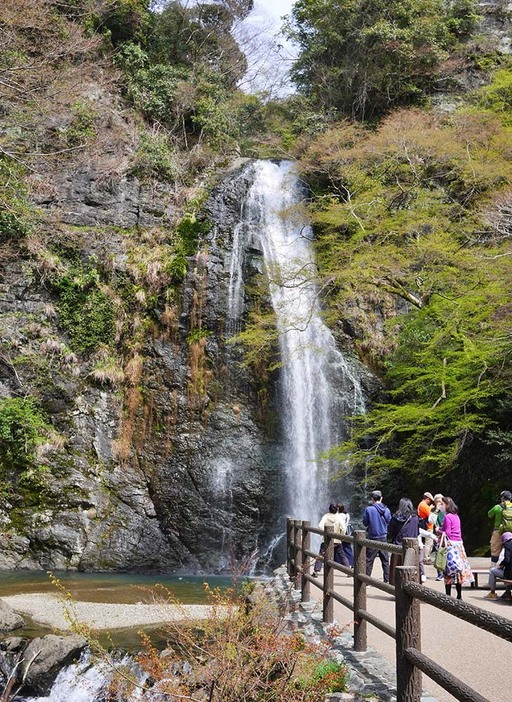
52	610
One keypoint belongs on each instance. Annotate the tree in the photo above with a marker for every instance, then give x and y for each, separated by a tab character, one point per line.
363	57
406	243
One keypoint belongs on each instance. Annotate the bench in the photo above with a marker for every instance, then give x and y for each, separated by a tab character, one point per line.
507	583
479	572
484	572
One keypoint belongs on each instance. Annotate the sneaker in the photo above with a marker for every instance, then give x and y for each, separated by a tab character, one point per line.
491	596
423	578
506	596
440	577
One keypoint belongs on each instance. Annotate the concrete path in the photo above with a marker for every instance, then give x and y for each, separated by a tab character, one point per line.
475	656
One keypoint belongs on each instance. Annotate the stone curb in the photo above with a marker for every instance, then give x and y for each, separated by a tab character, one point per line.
370	677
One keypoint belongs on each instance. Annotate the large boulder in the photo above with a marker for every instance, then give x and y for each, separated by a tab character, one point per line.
9	619
44	657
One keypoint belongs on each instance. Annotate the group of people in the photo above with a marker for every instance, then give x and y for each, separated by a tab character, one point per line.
338	519
434	517
434	521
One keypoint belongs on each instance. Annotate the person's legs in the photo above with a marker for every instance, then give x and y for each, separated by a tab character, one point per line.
319	560
370	557
349	552
340	556
448	589
495	545
458	587
427	549
384	559
493	574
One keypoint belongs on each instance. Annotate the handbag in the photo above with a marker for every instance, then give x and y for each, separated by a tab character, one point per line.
442	554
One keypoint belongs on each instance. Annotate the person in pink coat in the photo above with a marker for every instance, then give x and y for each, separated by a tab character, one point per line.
452	528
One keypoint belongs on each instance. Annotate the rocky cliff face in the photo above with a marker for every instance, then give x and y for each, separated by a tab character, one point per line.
171	467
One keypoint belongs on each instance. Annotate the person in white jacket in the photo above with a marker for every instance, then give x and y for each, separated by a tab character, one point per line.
338	521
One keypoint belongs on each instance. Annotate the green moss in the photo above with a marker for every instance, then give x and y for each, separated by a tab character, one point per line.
86	313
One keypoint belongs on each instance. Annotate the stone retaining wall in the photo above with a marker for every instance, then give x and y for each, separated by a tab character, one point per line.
370	677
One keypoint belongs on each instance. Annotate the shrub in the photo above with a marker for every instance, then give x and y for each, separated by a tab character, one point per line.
12	228
22	426
155	158
86	313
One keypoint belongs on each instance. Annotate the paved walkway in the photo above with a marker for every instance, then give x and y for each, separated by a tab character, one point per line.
475	656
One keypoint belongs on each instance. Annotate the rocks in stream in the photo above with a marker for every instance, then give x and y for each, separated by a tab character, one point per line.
33	666
9	619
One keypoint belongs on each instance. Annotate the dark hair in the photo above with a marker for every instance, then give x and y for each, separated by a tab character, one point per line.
451	507
341	507
405	508
506	495
333	508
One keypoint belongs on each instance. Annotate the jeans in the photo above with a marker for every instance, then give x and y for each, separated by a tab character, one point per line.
493	574
339	557
372	553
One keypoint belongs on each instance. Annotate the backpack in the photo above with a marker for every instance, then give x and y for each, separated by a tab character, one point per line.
506	518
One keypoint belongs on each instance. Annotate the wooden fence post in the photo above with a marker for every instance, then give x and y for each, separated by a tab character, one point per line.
289	545
297	526
412	543
306	546
328	604
360	629
408	635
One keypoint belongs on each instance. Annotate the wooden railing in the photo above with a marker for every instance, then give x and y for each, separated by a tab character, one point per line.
408	593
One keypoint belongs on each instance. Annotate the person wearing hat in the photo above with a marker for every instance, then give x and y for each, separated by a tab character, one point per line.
426	524
503	569
376	518
495	513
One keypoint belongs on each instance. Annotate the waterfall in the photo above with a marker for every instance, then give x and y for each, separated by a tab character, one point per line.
318	386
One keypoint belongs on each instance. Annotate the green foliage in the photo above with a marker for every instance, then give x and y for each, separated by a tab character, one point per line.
196	335
153	88
125	20
22	429
497	96
82	125
155	158
363	58
12	228
407	210
190	229
328	676
15	212
86	313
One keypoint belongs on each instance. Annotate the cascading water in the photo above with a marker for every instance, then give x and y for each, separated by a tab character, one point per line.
318	387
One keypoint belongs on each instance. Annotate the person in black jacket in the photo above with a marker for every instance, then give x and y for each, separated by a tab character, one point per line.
404	523
503	568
